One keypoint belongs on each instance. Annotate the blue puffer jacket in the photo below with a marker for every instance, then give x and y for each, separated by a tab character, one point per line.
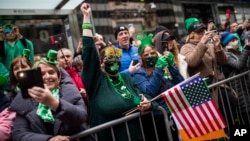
127	56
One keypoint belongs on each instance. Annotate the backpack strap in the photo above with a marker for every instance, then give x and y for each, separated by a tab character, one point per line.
2	48
23	41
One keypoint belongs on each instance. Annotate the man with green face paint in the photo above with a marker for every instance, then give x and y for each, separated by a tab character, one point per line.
152	80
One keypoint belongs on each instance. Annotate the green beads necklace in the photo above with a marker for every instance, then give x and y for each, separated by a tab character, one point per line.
121	88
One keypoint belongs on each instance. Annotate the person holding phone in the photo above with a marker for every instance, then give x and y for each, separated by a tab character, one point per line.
201	56
13	44
129	52
110	93
52	113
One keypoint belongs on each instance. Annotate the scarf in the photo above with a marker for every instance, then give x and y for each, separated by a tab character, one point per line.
44	112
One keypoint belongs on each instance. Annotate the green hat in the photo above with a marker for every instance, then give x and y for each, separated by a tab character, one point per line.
146	40
51	57
193	24
189	22
26	53
3	81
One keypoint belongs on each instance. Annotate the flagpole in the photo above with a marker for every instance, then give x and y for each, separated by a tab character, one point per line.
137	108
155	98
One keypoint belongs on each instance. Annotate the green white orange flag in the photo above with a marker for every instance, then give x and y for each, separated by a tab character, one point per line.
194	111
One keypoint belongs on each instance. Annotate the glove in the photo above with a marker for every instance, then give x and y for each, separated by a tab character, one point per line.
170	59
161	62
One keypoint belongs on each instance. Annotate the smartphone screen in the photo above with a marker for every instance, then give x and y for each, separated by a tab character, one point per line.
29	78
135	62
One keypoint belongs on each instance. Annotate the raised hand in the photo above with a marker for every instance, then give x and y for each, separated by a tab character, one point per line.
44	96
206	37
161	62
132	68
85	8
170	58
217	41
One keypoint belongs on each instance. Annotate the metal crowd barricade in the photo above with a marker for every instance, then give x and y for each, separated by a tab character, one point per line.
230	91
109	125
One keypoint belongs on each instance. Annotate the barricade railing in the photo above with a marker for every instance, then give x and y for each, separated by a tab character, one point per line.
234	101
230	93
123	120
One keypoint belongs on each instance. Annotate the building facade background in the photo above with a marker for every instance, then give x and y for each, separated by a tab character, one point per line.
38	25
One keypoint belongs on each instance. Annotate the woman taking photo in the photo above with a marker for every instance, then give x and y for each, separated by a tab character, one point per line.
54	112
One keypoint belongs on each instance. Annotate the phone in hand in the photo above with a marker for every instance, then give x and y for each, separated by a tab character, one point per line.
29	78
135	62
57	39
213	32
130	26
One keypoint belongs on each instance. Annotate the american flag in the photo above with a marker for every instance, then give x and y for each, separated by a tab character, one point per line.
193	108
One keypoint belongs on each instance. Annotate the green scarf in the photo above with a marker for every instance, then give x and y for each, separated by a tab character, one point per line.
44	112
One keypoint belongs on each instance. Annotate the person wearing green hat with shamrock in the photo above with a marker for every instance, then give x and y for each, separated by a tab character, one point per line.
110	92
13	44
204	53
52	113
152	80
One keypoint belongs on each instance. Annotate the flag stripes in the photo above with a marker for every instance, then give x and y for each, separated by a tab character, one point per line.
196	121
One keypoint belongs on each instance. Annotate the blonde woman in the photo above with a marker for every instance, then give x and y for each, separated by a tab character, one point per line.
204	53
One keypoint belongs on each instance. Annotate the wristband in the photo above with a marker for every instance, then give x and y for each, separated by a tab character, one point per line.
87	26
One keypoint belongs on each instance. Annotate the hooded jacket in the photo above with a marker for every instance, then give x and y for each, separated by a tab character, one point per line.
182	67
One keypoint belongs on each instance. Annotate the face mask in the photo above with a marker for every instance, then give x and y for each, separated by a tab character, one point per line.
151	61
112	67
233	45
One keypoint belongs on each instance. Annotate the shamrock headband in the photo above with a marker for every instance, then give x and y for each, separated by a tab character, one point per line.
146	40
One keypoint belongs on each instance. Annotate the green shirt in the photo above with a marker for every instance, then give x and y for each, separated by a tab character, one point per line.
13	51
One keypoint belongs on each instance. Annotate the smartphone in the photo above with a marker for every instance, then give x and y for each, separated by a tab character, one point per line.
29	78
135	62
57	39
214	32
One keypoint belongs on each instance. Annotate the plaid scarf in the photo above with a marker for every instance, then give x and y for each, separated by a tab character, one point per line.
44	112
